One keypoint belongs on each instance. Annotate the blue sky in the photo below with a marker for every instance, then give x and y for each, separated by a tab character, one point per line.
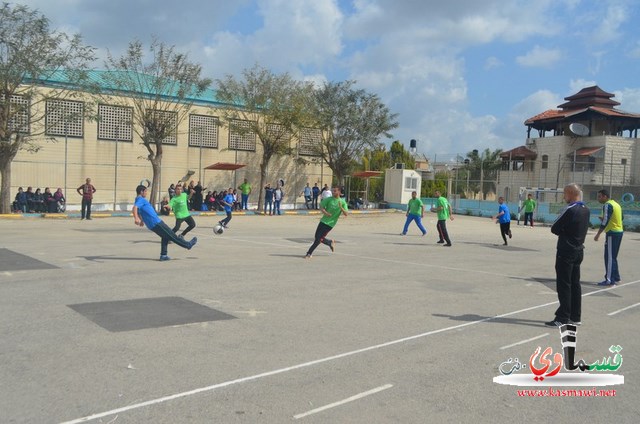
461	74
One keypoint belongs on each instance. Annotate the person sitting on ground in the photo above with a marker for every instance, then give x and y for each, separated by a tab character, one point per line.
60	201
20	203
29	194
38	201
48	200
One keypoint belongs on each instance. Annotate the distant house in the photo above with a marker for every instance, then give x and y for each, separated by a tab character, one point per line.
586	140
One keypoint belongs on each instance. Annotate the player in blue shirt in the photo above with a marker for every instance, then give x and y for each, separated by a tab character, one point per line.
504	217
227	203
145	214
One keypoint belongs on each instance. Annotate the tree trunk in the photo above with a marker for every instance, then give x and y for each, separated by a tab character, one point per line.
7	154
263	178
156	164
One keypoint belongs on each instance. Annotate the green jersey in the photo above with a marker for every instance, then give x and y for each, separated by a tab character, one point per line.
529	205
245	188
443	214
415	206
332	205
179	206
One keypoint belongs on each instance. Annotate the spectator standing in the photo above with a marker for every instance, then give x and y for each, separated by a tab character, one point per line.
268	199
245	189
278	195
86	190
316	193
326	192
30	205
306	192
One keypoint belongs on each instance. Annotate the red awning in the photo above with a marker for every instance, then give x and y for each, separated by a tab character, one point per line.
367	174
588	151
225	166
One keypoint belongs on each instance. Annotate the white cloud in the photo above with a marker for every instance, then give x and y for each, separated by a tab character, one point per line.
629	99
492	63
540	57
608	28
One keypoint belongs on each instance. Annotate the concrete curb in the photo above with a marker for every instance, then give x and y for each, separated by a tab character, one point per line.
100	215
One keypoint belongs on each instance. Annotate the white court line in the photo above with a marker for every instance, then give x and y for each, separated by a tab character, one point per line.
296	246
623	309
524	341
342	402
315	362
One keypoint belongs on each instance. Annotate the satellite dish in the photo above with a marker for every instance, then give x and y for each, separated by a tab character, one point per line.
579	129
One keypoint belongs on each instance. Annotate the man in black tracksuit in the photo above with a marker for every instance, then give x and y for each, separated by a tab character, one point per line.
571	228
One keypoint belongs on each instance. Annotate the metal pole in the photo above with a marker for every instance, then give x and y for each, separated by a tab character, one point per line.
235	171
200	163
481	180
65	158
611	175
115	177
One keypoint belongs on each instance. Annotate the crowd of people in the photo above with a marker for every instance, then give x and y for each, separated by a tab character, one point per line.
198	201
37	201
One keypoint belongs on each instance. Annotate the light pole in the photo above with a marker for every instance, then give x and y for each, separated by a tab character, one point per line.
115	172
66	133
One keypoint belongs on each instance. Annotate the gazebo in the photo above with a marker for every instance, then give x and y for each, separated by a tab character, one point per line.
366	175
225	166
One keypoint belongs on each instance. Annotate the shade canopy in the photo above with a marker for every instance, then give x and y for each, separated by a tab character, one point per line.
367	174
225	166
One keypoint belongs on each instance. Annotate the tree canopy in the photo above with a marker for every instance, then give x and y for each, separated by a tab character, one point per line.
351	120
161	85
268	105
30	51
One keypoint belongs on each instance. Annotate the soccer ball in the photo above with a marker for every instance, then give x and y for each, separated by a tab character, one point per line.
218	229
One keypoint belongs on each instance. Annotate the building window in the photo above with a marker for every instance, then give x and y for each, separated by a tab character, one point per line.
410	183
623	161
545	162
18	114
310	142
115	123
203	131
241	137
166	123
278	133
64	117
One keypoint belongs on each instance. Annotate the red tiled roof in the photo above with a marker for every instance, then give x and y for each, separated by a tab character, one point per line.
553	114
519	152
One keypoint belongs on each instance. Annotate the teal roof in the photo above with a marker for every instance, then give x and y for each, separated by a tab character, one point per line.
105	84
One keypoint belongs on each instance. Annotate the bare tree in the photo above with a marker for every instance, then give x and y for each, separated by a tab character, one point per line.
30	54
351	121
268	105
161	90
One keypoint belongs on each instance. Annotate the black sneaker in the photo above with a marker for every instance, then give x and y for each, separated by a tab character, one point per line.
578	323
554	323
440	242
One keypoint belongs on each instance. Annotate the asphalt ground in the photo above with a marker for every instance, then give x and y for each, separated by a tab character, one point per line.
242	329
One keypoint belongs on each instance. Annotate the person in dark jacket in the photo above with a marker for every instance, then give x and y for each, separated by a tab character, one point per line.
571	228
